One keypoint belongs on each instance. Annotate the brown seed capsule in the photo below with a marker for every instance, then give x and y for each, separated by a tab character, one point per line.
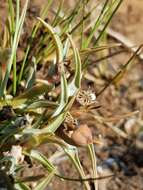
82	136
86	98
70	123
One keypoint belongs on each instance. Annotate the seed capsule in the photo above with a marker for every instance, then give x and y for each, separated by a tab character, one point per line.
70	123
82	136
86	98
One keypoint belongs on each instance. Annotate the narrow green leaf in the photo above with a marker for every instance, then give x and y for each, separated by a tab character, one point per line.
32	74
115	7
73	155
58	13
21	186
14	60
64	96
42	160
43	14
35	91
74	86
43	184
93	161
57	121
56	39
99	20
11	19
14	48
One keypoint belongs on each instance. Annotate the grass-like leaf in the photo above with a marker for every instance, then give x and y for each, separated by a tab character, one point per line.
14	48
43	184
74	85
94	164
56	39
42	160
21	186
73	156
43	14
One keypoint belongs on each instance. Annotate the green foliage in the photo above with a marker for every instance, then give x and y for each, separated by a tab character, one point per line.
30	115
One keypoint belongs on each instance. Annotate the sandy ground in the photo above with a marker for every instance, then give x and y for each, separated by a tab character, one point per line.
129	20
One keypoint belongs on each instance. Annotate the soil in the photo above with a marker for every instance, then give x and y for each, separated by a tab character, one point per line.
118	154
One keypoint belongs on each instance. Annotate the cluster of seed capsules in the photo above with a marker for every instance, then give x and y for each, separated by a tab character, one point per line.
80	134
